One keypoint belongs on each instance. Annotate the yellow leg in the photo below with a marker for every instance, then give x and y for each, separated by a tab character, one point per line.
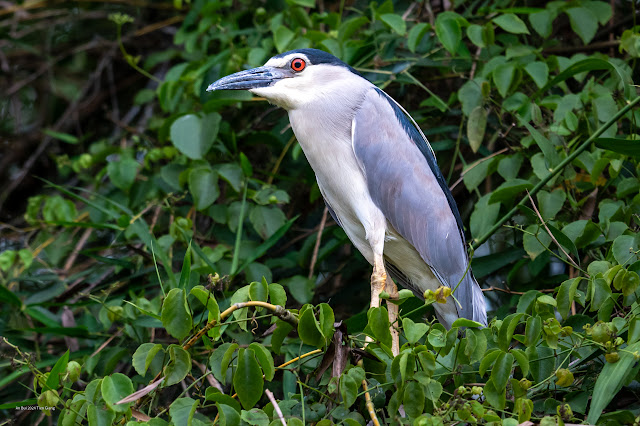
378	280
392	289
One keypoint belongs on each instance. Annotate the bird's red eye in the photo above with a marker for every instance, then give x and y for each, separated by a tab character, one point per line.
298	64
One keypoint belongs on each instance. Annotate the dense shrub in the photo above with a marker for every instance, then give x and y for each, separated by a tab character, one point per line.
177	266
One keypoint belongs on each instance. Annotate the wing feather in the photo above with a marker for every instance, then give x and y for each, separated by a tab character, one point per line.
406	184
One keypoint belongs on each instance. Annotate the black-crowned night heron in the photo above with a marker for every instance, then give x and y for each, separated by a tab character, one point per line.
377	173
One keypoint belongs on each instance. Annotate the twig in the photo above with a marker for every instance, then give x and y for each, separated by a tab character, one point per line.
76	250
102	346
370	408
279	311
535	208
280	158
504	290
571	49
316	248
482	160
276	407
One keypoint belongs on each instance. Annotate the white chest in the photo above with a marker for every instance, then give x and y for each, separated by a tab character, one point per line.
342	183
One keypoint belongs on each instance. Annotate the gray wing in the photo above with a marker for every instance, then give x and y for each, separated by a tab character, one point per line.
406	184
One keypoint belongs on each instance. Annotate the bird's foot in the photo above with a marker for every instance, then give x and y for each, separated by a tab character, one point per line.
392	289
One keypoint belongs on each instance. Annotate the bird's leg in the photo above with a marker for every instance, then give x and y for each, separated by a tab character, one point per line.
392	289
378	279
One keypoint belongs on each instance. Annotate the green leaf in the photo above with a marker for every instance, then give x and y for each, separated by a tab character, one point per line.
327	319
6	295
255	417
541	22
266	220
448	32
395	22
213	394
523	361
566	295
123	172
622	146
193	135
144	355
437	336
503	77
281	331
64	137
309	329
624	248
59	368
282	37
348	390
464	322
203	185
476	126
535	240
433	390
205	297
496	397
114	388
413	331
551	203
227	349
301	288
259	291
507	328
427	361
474	32
488	360
539	72
247	380
483	217
583	22
176	316
179	365
413	399
509	190
611	379
182	411
416	34
228	415
100	416
547	300
379	324
502	370
511	23
265	359
582	232
277	294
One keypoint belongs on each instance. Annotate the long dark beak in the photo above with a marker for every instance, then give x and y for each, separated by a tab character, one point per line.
249	79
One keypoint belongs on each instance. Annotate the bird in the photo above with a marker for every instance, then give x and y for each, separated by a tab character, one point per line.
378	176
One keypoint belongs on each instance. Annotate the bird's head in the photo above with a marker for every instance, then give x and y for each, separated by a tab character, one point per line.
294	79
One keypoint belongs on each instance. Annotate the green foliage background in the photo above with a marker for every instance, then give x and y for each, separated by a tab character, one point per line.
158	234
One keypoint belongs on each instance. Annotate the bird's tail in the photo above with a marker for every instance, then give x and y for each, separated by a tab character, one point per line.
476	308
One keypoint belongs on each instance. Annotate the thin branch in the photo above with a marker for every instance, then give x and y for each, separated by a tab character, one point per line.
535	208
276	407
370	408
316	248
504	290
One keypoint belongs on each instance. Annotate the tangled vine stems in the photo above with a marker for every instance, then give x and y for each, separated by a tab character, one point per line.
279	311
479	241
